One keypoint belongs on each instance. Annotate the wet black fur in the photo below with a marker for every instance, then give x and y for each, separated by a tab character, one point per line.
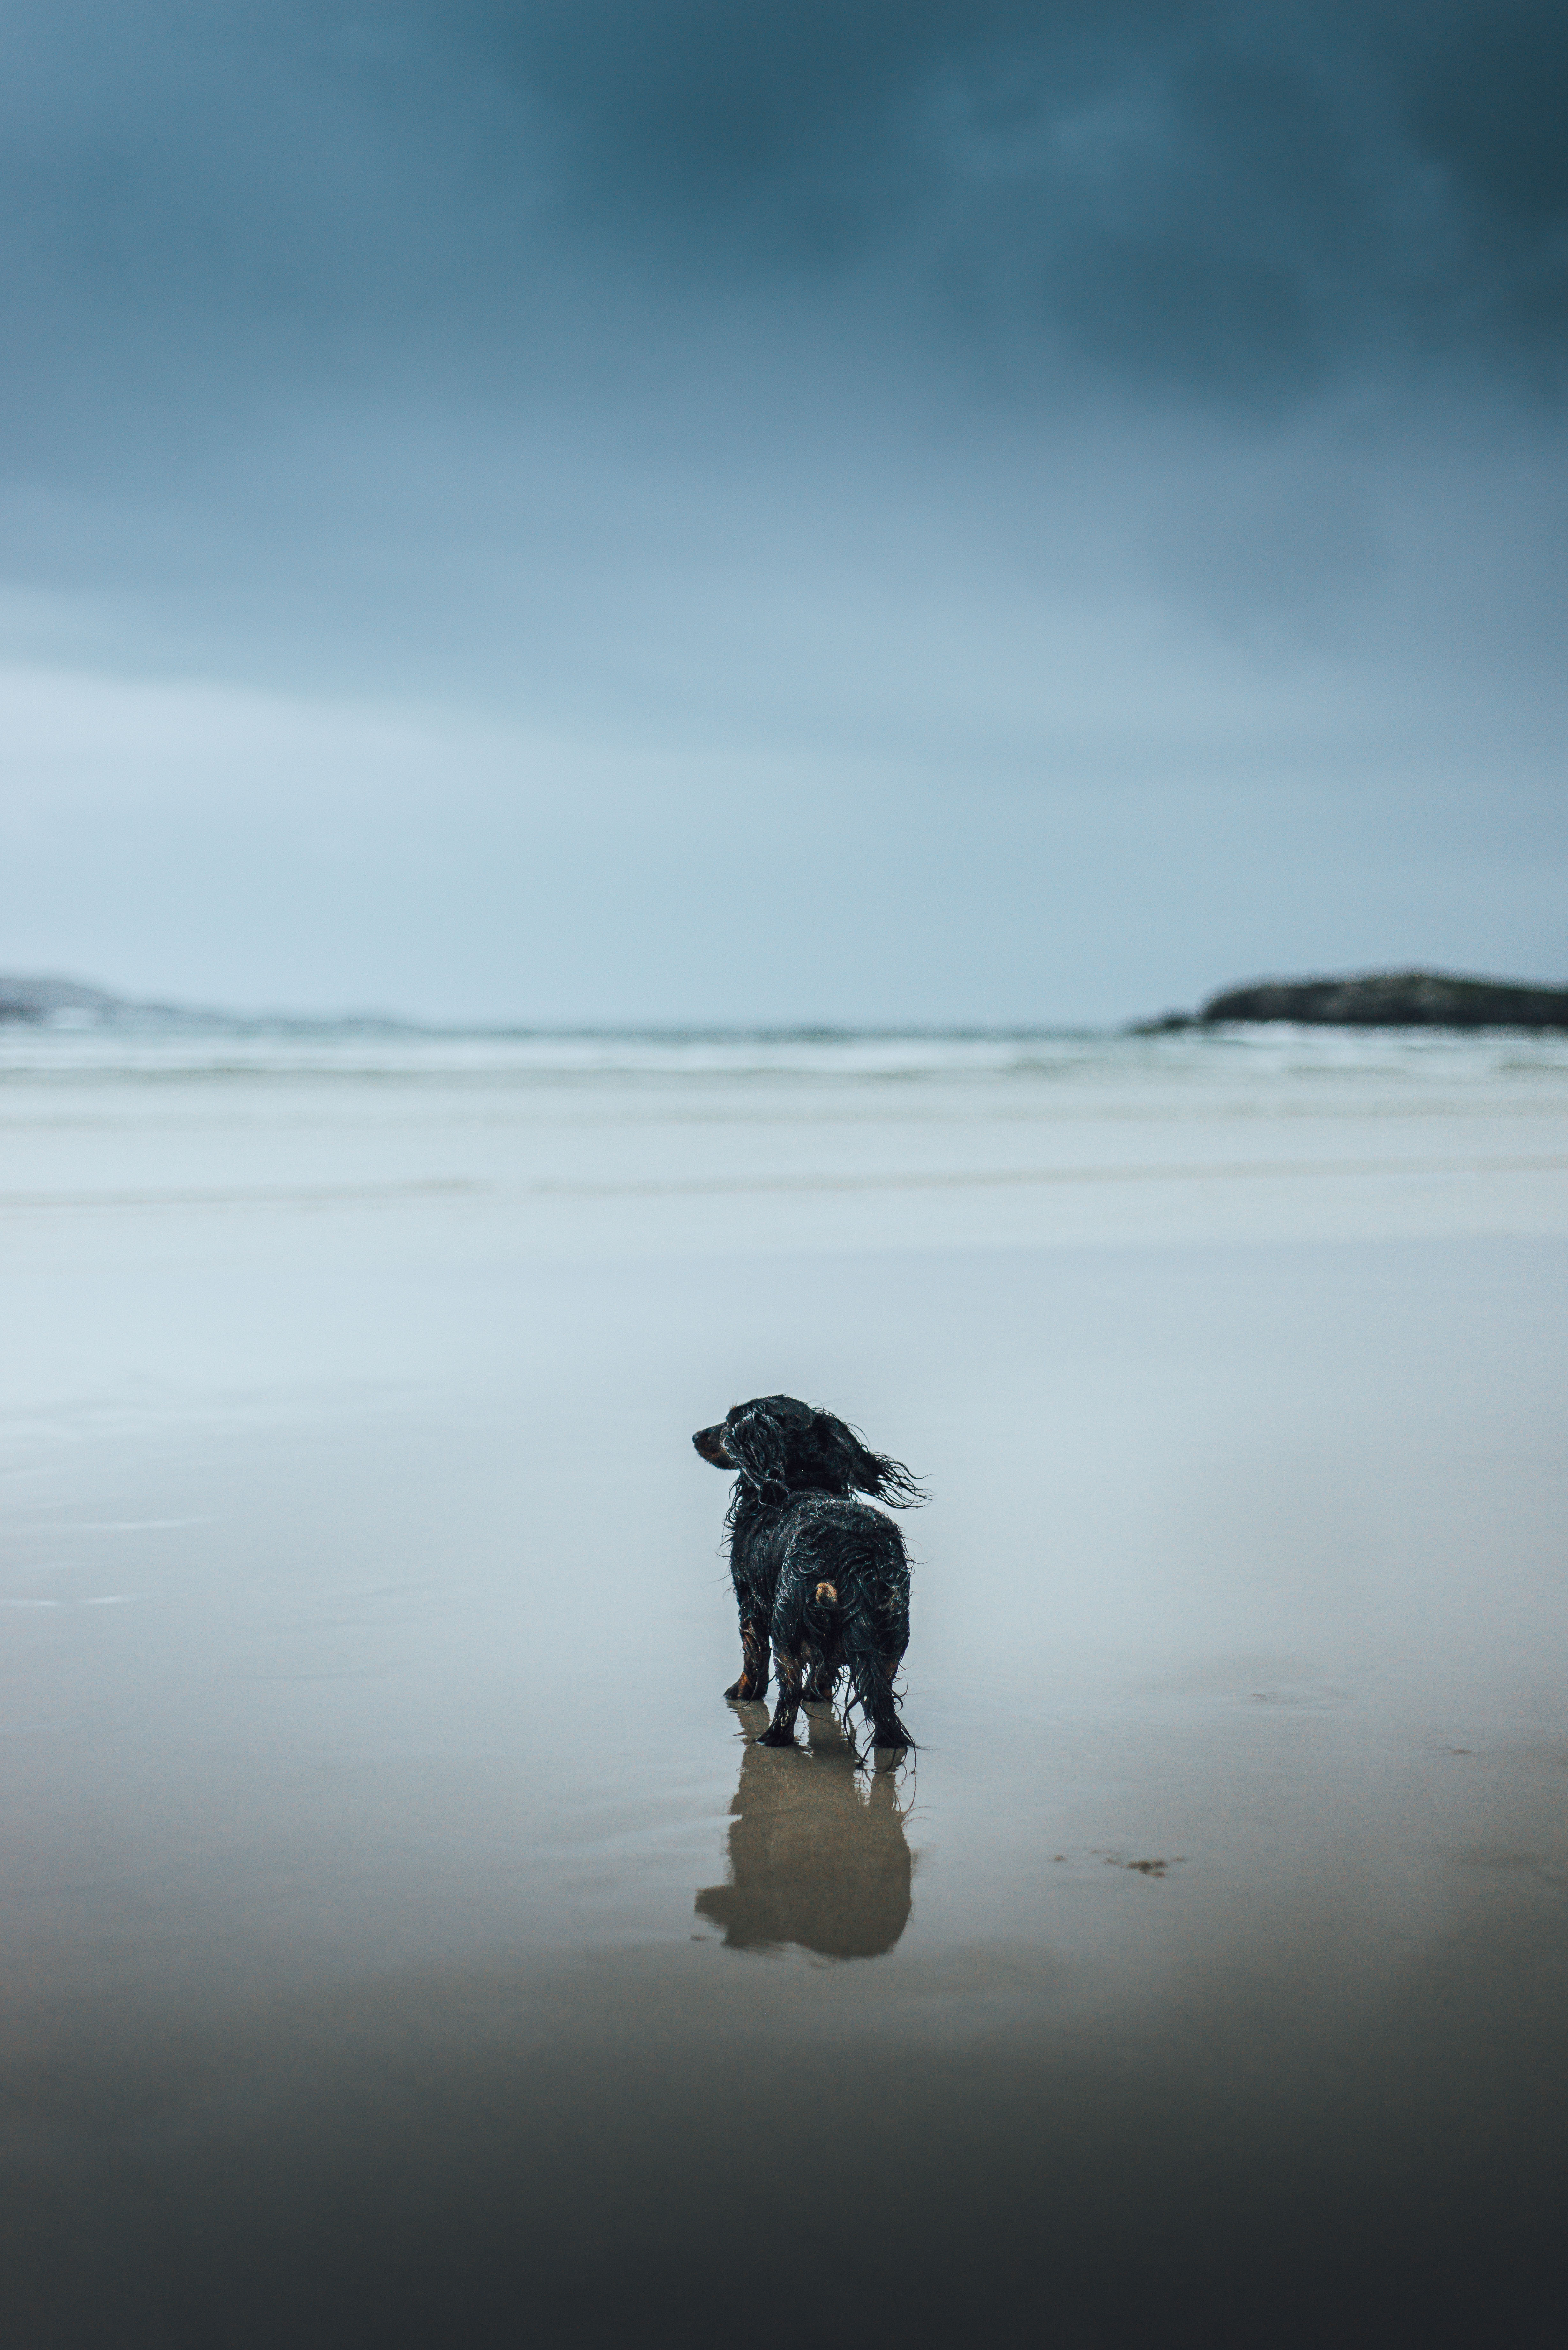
795	1524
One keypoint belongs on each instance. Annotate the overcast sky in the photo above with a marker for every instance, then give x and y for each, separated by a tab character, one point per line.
818	509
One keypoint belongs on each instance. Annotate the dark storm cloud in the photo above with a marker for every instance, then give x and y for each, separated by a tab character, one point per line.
1201	200
1204	194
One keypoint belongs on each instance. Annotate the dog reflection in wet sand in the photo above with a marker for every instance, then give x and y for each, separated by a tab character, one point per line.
817	1855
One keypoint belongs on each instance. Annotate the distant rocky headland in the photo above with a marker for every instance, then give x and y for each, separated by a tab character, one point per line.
1379	999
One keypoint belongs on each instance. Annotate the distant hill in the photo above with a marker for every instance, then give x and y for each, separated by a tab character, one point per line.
28	998
1380	999
50	1001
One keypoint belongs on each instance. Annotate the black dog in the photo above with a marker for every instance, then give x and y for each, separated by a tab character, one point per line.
820	1578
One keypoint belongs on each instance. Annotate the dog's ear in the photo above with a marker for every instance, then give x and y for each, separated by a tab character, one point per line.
893	1483
876	1473
754	1442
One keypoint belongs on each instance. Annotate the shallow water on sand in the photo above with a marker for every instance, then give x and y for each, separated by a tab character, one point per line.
403	1939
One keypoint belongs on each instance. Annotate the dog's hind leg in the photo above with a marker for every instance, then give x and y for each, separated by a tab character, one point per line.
797	1649
887	1730
874	1687
874	1653
753	1681
780	1730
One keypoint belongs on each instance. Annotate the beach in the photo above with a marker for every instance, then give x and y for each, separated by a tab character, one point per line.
404	1940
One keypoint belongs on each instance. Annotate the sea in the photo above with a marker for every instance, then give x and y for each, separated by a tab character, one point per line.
404	1939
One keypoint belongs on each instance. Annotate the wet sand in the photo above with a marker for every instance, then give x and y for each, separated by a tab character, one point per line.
404	1943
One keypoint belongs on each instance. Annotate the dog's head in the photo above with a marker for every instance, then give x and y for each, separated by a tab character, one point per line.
778	1446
